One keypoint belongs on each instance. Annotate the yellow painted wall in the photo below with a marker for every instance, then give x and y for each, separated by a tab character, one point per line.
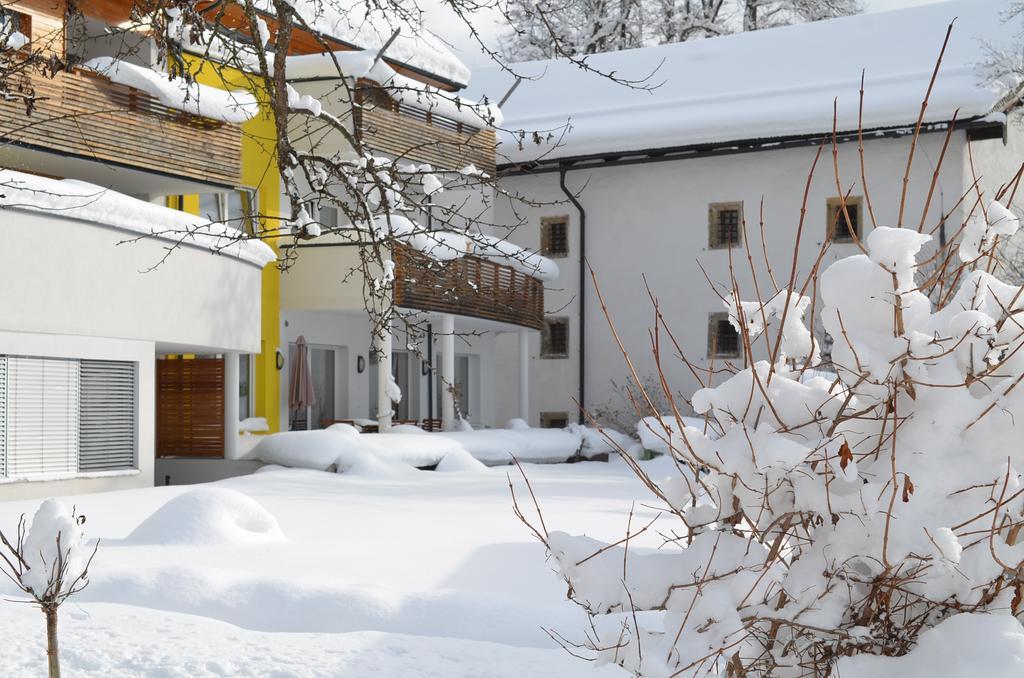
259	171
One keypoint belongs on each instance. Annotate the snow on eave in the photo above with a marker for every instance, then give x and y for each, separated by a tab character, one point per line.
72	199
730	146
770	84
416	48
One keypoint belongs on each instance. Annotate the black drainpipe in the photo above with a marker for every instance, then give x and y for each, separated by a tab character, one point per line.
582	288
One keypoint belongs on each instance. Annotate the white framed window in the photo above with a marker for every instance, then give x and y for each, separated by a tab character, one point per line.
61	416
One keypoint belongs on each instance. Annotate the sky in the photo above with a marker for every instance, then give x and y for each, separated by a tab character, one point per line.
452	30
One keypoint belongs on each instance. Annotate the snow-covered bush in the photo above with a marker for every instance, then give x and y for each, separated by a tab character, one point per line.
50	563
836	517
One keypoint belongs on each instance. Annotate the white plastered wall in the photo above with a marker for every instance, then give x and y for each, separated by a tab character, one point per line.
651	219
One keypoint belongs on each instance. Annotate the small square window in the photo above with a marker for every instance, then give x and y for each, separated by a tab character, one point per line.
554	419
723	340
554	237
839	228
554	338
724	221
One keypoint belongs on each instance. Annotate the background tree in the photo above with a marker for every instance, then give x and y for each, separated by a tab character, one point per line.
591	26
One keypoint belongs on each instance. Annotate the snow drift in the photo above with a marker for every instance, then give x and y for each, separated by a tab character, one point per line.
208	516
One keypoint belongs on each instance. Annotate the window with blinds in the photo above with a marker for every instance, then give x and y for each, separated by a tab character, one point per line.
107	416
63	416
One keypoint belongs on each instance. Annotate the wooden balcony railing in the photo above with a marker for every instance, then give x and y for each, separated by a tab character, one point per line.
469	286
85	114
412	134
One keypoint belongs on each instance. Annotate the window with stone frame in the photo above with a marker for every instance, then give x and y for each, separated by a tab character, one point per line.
554	338
554	237
554	419
841	229
723	339
725	220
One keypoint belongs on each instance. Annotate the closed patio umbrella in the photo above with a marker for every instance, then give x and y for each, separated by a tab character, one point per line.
300	383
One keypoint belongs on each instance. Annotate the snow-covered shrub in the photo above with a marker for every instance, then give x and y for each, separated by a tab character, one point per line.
837	516
830	509
50	563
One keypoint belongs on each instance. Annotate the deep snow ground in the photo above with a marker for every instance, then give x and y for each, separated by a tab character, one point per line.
419	575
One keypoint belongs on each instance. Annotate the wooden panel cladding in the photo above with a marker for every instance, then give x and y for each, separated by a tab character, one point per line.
468	286
190	407
86	114
411	134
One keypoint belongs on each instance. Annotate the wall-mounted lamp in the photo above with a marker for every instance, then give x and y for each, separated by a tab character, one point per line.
279	360
424	368
360	364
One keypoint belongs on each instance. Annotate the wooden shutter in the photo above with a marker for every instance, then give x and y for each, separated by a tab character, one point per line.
190	407
107	439
42	416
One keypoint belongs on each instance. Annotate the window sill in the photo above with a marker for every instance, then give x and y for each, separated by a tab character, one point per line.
70	476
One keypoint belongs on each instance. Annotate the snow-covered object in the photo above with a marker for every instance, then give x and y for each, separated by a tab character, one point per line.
360	65
253	425
666	432
699	91
366	28
15	40
303	102
432	185
981	231
208	516
448	245
811	529
459	461
342	448
507	253
55	542
788	308
600	441
71	199
962	646
234	106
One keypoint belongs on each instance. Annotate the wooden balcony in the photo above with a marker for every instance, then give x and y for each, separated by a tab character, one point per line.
412	134
85	114
469	286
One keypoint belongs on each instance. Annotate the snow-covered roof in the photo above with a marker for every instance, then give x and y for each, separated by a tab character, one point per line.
760	85
72	199
351	23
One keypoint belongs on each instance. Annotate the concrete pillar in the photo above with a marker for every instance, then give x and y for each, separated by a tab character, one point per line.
384	404
231	406
524	374
447	339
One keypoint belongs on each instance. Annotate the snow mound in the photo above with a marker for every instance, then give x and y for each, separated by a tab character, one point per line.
963	646
459	460
208	516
